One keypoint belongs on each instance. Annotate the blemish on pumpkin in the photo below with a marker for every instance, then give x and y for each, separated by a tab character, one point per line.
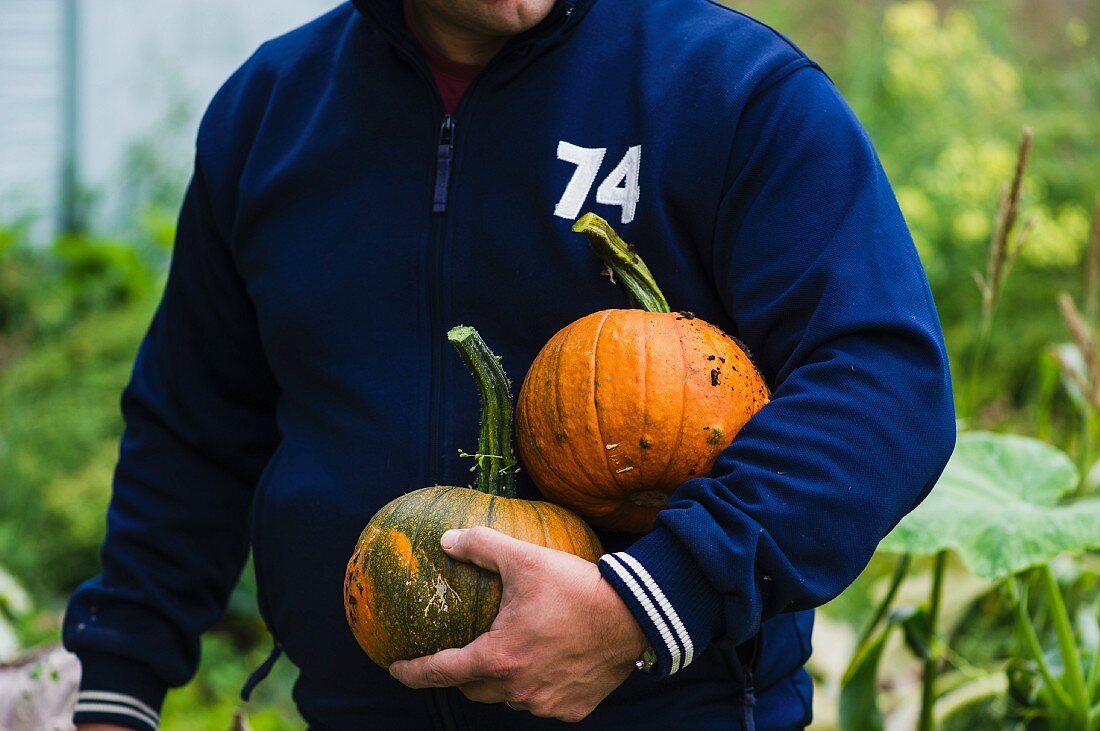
609	447
711	357
624	469
714	376
645	442
439	598
715	436
560	434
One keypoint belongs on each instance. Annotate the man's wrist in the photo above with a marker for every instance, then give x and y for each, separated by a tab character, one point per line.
627	641
669	597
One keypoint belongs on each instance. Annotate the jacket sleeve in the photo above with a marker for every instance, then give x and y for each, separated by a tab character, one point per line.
200	426
818	271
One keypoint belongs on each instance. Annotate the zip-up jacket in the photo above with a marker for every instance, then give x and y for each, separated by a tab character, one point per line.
296	376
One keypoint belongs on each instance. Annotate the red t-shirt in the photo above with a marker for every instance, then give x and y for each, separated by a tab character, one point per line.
451	77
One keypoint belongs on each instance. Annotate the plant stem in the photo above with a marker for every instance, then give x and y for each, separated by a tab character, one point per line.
1093	722
1067	643
1092	270
496	462
998	264
1031	638
900	570
1094	675
928	684
625	265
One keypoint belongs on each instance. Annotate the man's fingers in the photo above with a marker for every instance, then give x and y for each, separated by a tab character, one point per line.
489	549
443	669
484	691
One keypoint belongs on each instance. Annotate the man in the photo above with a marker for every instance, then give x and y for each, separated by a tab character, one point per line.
347	209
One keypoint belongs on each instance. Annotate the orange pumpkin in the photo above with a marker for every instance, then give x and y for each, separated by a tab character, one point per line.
403	596
622	406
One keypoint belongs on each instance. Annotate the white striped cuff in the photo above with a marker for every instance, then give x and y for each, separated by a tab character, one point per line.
660	612
101	703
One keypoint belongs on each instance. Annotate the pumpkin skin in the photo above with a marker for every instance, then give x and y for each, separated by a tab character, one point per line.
405	598
622	406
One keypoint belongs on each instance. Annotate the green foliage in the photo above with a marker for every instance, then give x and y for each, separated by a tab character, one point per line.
44	290
209	702
998	506
859	707
944	90
59	425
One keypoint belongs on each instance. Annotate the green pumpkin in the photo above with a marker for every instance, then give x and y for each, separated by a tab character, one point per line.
403	596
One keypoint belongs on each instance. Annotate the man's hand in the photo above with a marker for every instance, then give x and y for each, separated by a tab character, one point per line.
562	641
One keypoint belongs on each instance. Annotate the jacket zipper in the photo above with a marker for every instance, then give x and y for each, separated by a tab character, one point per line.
445	147
748	701
444	154
748	689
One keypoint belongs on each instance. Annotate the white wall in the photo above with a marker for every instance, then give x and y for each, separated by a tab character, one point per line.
30	88
139	60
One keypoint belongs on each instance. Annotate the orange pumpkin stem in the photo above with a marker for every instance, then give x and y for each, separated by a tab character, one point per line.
623	262
495	461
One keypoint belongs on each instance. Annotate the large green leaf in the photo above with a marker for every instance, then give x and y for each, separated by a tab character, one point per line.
997	506
859	709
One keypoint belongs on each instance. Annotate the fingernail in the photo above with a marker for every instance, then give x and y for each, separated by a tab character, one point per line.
449	539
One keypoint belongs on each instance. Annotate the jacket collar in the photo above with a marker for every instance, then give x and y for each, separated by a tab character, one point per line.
389	17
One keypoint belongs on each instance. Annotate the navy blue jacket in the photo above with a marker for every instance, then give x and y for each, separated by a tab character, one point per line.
296	375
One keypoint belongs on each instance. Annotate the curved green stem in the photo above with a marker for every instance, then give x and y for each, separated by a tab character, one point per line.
627	268
496	462
1067	643
928	685
1031	638
1093	676
900	570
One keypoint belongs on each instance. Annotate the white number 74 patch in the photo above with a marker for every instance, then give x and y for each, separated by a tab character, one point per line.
619	188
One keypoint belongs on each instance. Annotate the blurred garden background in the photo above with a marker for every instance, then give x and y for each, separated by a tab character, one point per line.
99	103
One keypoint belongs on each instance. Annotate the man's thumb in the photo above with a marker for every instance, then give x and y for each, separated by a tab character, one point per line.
485	547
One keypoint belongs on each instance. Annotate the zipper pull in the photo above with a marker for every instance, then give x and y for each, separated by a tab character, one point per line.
444	153
748	700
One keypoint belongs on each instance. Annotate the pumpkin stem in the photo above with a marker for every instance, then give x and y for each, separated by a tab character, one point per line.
623	263
495	461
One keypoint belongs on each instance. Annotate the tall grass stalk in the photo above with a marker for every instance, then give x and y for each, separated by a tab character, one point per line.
1087	379
1092	271
1004	247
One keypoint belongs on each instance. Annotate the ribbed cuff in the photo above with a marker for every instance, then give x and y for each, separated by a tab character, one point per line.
117	690
677	608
